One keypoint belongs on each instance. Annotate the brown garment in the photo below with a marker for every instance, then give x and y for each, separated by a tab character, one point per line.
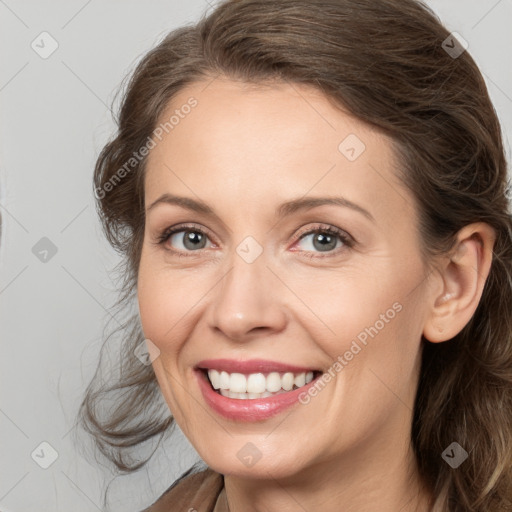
199	492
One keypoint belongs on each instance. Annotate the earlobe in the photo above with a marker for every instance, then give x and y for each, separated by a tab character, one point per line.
463	274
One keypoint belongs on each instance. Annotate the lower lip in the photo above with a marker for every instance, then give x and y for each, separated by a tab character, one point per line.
250	409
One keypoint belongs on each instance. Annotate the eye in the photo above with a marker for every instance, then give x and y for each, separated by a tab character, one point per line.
319	239
324	239
184	238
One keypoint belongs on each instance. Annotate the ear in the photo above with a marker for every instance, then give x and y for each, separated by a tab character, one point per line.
460	282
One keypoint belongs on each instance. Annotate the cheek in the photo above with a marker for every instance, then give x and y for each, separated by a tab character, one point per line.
368	318
345	305
159	303
169	302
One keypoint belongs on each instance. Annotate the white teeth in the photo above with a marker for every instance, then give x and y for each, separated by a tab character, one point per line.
300	380
214	378
224	380
273	382
238	383
256	385
287	381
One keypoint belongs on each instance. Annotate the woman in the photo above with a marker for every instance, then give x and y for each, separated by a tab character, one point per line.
310	198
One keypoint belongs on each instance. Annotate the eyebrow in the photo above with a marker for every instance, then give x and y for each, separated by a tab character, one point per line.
284	210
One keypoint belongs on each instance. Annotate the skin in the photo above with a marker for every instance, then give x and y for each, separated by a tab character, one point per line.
244	150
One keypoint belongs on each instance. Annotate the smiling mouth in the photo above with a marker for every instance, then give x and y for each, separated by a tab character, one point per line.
257	385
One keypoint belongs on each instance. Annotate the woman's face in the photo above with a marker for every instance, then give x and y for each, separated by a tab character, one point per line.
294	252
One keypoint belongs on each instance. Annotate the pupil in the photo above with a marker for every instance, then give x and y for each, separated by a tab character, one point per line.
193	240
326	242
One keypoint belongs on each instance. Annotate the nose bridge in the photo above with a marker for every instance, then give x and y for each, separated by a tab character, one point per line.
245	298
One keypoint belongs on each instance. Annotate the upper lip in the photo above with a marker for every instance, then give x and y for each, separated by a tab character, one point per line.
250	366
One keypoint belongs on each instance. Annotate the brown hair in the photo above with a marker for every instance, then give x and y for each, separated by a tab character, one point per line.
384	61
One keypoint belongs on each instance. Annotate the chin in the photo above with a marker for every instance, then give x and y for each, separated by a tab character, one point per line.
244	460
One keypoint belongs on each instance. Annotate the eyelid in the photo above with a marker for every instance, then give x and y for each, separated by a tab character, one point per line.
347	239
187	226
321	227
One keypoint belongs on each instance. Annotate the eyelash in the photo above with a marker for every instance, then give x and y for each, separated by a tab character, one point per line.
347	241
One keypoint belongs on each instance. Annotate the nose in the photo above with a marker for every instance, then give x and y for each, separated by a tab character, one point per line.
246	301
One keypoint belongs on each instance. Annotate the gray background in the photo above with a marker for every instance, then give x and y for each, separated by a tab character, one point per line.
55	118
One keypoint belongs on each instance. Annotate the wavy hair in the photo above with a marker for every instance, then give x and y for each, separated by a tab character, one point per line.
388	63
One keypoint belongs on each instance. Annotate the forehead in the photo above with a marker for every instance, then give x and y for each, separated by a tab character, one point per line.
253	141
